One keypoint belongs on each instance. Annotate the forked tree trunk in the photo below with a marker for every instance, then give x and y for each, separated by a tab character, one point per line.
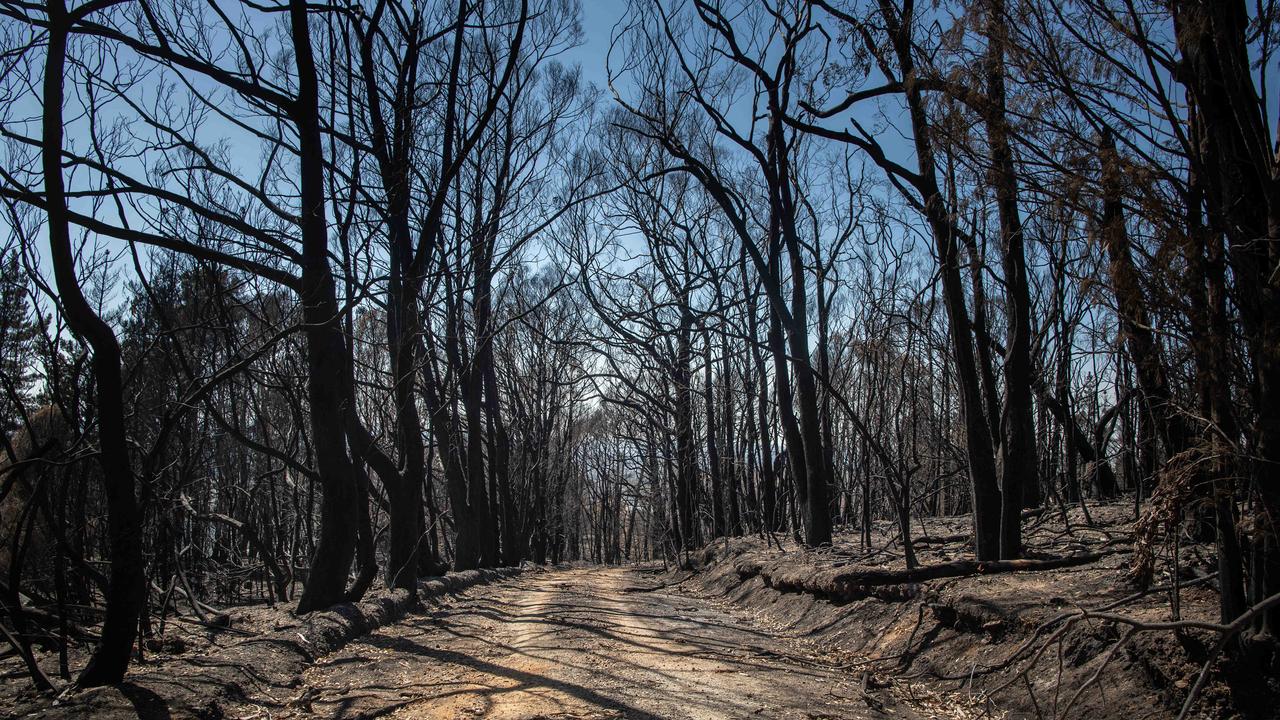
985	489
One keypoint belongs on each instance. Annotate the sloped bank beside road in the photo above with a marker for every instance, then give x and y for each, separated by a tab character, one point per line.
1064	635
264	665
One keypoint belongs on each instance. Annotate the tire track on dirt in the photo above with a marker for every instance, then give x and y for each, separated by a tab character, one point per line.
578	643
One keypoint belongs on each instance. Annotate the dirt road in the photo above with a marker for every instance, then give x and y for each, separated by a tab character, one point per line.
583	643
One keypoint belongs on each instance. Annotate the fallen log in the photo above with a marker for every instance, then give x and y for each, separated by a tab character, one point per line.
850	584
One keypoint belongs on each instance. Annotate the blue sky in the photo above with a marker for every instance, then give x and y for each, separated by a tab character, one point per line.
598	19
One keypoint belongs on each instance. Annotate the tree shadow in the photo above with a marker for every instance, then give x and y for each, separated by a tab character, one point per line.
145	701
524	681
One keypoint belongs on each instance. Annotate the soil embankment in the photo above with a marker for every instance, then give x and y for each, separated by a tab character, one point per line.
1065	635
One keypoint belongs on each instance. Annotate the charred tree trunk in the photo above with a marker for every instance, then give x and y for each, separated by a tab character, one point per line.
326	348
686	468
714	467
1237	164
811	484
730	473
979	448
1018	466
1131	305
126	591
1211	341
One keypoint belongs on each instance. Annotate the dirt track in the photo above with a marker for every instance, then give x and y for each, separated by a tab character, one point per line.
583	643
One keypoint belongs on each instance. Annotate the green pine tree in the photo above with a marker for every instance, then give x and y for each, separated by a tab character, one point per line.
18	365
